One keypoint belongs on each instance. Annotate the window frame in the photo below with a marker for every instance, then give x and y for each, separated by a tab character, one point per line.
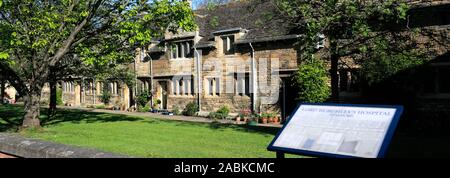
242	84
180	50
228	48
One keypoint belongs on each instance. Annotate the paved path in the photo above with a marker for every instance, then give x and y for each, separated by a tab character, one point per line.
165	117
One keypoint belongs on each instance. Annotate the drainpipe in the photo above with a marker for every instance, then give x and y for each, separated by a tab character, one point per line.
254	76
199	83
135	81
151	81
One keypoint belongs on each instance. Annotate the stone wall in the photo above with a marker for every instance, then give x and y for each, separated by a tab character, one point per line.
217	65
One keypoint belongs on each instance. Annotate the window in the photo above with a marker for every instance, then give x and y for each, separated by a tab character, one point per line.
181	50
213	86
143	86
180	87
174	52
183	86
68	87
174	87
349	80
113	88
436	80
90	88
100	87
186	87
242	84
228	45
210	86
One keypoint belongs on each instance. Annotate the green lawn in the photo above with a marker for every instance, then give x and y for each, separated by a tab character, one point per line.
145	137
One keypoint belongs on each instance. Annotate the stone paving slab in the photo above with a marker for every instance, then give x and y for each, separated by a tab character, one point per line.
14	145
166	117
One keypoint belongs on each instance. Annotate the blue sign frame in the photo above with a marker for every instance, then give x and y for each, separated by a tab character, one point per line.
384	146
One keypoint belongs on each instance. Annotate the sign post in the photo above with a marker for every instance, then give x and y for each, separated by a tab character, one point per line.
338	130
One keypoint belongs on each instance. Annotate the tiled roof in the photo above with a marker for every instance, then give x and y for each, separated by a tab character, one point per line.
260	18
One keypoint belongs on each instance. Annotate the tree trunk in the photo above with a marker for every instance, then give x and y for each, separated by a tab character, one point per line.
31	118
52	105
334	72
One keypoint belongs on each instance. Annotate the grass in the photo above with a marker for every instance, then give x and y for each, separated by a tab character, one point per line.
150	137
145	137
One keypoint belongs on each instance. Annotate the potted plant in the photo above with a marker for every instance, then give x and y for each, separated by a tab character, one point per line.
276	120
156	105
244	115
270	118
264	118
239	118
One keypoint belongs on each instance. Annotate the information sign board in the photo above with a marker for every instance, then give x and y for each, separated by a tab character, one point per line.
338	130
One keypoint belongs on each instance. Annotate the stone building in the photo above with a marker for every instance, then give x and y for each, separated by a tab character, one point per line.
245	59
243	56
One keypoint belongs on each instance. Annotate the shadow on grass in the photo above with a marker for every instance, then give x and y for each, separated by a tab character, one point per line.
11	117
222	127
77	116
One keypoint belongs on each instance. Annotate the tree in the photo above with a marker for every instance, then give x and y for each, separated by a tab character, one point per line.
37	35
351	27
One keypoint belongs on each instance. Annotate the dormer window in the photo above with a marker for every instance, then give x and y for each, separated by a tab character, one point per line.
228	45
181	50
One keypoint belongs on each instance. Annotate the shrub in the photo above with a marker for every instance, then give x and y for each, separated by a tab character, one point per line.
213	115
191	109
312	81
221	113
156	103
101	106
143	98
176	110
146	108
105	97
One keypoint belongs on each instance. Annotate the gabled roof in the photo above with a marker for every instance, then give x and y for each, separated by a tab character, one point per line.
261	19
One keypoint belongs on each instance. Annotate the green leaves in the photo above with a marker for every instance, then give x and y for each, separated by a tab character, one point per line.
389	64
312	81
4	55
351	25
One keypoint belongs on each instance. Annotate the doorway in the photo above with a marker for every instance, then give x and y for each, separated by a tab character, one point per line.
288	98
163	94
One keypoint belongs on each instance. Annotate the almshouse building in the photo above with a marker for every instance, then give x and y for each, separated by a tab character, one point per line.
245	59
243	56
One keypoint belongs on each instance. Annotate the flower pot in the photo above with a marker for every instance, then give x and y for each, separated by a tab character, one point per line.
238	119
270	120
276	120
264	120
